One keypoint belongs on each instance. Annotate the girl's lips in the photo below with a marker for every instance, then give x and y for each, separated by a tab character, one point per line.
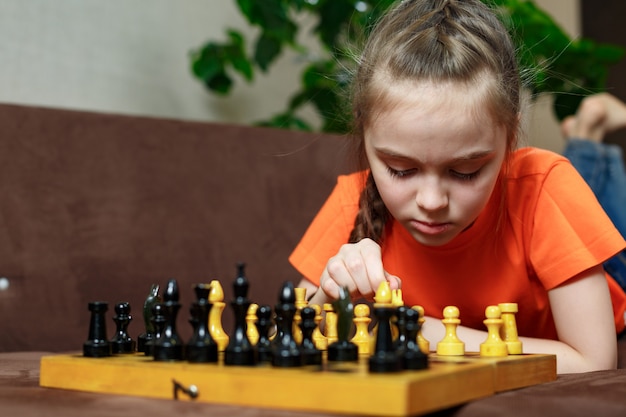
430	228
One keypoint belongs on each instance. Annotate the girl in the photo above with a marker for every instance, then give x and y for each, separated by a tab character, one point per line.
449	209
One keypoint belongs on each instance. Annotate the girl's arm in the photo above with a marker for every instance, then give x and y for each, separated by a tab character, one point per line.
583	316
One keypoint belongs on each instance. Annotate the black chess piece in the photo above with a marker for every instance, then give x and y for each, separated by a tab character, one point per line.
285	350
239	350
411	355
400	324
311	355
122	342
343	350
97	344
385	358
158	321
169	347
152	299
201	347
263	324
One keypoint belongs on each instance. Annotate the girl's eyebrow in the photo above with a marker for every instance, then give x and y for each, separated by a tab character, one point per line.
471	156
476	155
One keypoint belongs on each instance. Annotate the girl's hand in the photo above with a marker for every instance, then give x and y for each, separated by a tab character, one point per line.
359	268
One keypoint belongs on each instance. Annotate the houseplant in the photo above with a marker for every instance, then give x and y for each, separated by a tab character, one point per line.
551	61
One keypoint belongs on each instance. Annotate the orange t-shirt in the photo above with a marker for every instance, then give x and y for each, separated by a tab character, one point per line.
551	229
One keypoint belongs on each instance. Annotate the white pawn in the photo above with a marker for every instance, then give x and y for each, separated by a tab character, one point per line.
361	323
494	345
251	331
451	345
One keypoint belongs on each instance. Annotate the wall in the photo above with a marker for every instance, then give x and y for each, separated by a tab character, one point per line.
605	25
131	56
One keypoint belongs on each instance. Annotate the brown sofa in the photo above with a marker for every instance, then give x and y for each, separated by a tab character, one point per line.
100	206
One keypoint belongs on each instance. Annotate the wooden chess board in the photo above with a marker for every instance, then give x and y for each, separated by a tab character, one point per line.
338	389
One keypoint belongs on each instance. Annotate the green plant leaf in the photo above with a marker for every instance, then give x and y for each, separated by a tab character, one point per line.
267	49
333	17
220	83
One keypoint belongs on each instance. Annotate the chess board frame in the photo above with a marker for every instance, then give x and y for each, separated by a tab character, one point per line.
332	388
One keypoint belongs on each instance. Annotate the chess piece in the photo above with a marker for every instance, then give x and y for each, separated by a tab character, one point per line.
97	344
400	324
310	354
239	350
158	321
122	342
396	301
152	298
330	324
421	340
216	298
169	347
263	325
508	331
396	297
451	345
285	351
412	356
201	348
343	350
300	304
384	358
321	342
493	345
361	336
251	318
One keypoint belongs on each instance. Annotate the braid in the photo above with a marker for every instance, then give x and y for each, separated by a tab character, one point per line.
372	216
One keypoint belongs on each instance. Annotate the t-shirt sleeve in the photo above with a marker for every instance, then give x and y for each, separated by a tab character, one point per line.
570	231
329	230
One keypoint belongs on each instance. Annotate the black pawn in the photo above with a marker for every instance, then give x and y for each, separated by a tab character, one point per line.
239	350
310	354
97	344
263	325
412	356
201	347
158	321
385	359
122	342
285	351
169	347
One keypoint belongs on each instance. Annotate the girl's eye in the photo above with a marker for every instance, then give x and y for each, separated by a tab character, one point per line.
399	173
465	176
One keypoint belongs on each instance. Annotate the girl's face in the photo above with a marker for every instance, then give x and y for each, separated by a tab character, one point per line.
435	154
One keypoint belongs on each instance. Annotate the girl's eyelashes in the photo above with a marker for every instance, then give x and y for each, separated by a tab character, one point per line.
399	173
469	176
465	176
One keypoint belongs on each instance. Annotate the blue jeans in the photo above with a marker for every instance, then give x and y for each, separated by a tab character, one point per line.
602	167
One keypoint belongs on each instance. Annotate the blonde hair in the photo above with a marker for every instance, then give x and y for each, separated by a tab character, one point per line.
457	41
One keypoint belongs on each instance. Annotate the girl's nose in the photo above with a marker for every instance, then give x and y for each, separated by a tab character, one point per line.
431	196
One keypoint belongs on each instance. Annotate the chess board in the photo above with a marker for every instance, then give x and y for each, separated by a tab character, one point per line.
341	388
